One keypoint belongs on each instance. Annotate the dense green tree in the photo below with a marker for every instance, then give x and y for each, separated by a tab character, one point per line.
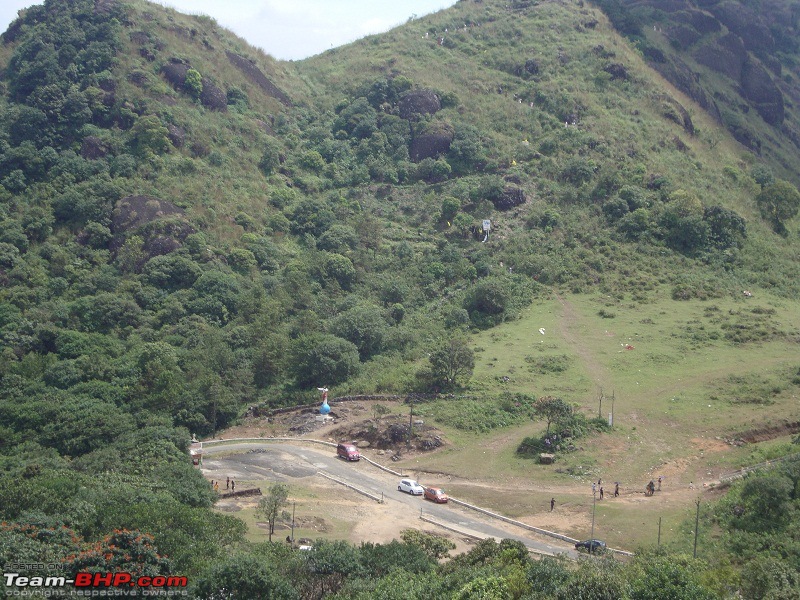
171	272
452	363
766	502
467	149
78	424
339	238
594	580
727	229
271	158
547	575
271	505
435	547
490	587
663	577
336	267
243	577
323	360
358	119
379	559
762	175
312	216
764	578
328	565
364	326
553	410
494	299
149	137
779	202
449	209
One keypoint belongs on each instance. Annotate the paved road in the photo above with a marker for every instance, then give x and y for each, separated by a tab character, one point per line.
285	461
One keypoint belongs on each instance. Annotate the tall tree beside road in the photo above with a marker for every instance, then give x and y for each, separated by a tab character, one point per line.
270	505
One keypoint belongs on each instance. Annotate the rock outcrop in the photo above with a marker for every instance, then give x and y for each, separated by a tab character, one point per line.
417	103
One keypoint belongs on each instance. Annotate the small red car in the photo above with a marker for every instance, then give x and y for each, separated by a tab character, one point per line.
436	495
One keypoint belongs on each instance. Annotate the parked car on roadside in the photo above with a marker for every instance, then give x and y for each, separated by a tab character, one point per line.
410	486
348	452
435	494
591	546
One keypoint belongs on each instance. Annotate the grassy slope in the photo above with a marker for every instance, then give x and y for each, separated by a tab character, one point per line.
675	403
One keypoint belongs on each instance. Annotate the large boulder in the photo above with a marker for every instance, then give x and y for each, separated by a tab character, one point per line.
617	71
430	145
431	140
212	97
176	135
175	72
675	111
699	20
681	75
254	74
93	148
727	56
512	196
417	103
133	212
759	89
747	24
161	225
683	35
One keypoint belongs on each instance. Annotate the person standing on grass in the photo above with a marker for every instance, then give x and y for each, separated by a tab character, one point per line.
552	504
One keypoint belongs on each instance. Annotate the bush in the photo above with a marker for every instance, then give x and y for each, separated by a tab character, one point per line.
323	359
193	83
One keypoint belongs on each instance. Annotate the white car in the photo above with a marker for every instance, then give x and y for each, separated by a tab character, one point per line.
410	486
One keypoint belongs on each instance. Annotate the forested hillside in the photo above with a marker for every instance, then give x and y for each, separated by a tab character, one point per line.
189	228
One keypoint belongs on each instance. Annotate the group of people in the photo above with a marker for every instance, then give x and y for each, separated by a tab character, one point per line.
598	487
601	489
650	488
230	484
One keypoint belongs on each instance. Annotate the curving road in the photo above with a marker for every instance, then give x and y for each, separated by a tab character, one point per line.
286	461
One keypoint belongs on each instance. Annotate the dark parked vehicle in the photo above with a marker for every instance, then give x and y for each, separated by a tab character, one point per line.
591	546
348	452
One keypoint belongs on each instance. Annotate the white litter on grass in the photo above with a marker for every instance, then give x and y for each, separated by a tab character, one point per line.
541	330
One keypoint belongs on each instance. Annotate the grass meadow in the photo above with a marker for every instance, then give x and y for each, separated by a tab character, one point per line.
686	377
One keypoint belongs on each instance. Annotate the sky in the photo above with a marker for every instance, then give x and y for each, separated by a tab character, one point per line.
290	29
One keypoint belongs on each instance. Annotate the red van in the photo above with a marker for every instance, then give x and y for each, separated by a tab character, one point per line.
348	452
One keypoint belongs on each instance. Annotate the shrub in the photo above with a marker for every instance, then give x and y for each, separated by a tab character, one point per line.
193	83
323	359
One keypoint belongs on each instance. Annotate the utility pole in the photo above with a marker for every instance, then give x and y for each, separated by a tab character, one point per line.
410	427
613	394
294	505
696	526
659	531
600	408
594	506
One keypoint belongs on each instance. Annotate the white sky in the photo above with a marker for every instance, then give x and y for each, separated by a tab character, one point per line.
290	29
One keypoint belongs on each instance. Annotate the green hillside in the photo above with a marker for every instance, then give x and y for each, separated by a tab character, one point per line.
189	228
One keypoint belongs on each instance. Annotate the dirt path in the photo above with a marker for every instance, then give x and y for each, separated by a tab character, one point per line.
569	322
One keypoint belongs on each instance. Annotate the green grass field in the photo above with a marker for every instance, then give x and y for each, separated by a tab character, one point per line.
685	387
